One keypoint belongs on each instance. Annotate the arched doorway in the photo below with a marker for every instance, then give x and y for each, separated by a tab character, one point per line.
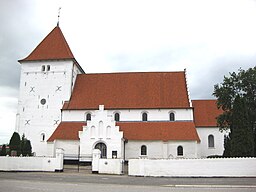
103	149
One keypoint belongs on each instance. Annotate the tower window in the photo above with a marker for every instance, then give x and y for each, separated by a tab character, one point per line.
143	150
43	68
144	116
43	101
48	67
42	137
117	117
172	117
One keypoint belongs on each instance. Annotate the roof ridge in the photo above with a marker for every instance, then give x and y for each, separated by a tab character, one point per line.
135	72
204	100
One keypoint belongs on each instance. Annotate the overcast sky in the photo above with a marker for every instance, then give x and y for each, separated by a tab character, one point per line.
208	38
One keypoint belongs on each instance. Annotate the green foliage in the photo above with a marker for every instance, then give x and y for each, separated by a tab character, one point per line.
227	146
243	85
27	149
242	135
22	146
15	143
3	151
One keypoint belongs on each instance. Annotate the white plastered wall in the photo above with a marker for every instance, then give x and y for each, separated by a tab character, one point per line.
132	114
55	86
160	149
204	150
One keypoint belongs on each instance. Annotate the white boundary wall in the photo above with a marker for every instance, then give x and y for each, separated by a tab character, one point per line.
50	164
111	166
229	167
107	166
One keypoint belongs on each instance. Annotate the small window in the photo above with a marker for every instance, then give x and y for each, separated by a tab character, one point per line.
180	151
48	67
210	141
117	117
43	68
143	150
144	116
172	117
114	154
88	117
42	137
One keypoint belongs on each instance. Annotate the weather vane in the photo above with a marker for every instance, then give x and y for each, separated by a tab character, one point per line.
59	16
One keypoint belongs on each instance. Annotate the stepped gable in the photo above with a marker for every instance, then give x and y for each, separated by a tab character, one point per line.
138	90
206	112
54	46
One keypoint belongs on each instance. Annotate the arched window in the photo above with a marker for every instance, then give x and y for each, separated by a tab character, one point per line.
180	151
48	67
117	117
103	149
43	68
42	137
144	116
172	117
210	141
88	117
143	150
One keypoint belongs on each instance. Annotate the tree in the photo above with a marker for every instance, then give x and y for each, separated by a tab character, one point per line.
27	149
15	144
227	146
22	144
25	146
242	135
3	151
242	84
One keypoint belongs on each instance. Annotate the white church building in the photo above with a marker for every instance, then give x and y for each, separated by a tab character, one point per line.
125	115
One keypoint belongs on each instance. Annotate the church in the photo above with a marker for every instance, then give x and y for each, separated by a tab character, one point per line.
124	115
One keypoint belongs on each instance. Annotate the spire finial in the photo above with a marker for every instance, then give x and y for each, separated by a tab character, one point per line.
58	17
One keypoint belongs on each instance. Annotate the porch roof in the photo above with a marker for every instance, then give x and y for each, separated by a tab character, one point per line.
165	131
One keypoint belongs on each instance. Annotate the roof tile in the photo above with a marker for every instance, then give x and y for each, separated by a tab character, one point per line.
205	113
130	91
53	46
67	131
165	131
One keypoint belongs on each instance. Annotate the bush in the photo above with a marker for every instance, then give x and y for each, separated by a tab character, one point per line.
3	151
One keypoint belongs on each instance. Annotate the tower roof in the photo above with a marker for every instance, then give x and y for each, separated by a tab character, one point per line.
54	46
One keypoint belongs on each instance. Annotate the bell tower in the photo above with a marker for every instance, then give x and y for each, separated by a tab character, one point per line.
47	78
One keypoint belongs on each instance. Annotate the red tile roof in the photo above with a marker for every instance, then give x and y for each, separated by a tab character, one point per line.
205	113
165	131
130	91
54	46
67	131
